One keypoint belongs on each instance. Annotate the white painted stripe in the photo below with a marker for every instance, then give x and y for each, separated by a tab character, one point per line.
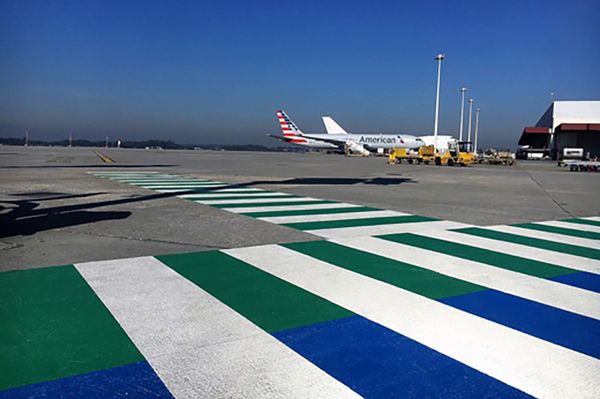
595	218
197	197
257	201
572	226
524	251
530	364
123	173
197	345
187	185
165	181
583	242
178	190
290	207
331	216
241	191
548	292
342	232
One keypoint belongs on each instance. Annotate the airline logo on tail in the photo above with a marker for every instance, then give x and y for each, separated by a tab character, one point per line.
289	128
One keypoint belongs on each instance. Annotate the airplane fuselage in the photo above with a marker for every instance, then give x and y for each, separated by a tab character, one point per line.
371	141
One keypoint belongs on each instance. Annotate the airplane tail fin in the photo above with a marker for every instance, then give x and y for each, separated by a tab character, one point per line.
288	127
332	127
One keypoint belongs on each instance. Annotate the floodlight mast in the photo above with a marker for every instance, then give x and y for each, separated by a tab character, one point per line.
463	90
471	101
476	127
439	59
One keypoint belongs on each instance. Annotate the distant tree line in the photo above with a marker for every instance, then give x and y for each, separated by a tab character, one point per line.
154	144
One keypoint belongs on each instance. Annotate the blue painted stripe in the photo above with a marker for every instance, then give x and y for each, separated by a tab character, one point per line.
137	380
585	280
563	328
379	363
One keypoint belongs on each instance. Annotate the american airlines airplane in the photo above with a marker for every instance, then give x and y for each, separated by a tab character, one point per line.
339	138
440	142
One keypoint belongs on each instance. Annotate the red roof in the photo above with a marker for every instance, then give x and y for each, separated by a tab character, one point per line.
536	130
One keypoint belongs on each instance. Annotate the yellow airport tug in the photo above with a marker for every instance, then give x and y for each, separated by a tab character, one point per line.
457	154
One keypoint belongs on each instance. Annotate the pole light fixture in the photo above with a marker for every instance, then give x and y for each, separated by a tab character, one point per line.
439	59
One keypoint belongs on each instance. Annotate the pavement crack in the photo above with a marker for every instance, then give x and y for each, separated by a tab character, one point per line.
6	246
153	240
549	195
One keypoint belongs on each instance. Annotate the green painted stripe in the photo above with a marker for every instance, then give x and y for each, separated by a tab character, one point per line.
582	221
267	301
418	280
310	212
54	326
264	204
332	224
498	259
251	196
559	230
532	242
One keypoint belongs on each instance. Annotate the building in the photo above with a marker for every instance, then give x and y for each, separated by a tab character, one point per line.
567	127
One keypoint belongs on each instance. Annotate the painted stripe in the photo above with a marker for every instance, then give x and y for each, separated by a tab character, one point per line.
573	226
559	230
178	186
588	222
210	199
493	258
133	380
276	305
587	281
266	203
548	292
187	190
594	218
225	191
523	251
124	173
379	363
166	317
53	326
533	242
428	283
385	229
543	235
229	195
166	181
334	224
327	211
257	200
534	366
306	207
572	331
330	217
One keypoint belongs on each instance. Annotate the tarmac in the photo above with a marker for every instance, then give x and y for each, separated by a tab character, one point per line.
56	213
233	274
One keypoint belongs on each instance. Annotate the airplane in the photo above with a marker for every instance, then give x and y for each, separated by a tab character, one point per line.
440	142
339	138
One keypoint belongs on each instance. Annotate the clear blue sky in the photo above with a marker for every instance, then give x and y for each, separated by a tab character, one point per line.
214	72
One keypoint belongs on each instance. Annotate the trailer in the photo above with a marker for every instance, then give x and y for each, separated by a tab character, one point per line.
580	166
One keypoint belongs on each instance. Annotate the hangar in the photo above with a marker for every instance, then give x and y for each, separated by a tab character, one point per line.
567	128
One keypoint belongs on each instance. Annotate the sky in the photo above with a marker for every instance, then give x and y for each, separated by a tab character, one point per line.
207	72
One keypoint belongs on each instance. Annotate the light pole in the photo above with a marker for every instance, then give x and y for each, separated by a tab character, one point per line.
439	59
471	101
463	90
476	127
